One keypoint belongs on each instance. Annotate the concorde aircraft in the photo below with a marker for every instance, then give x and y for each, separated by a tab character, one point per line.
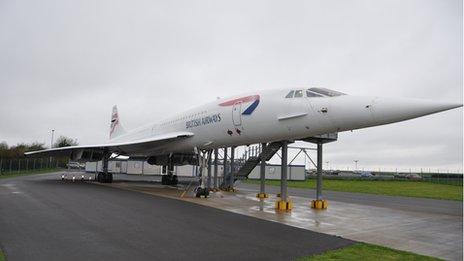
255	117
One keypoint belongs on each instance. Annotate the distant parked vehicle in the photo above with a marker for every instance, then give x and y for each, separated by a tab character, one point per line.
366	174
74	165
413	176
311	172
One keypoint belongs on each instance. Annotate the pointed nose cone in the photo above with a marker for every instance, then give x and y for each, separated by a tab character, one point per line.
389	110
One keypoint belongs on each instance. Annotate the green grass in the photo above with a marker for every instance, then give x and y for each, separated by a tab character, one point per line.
362	251
392	188
26	173
2	256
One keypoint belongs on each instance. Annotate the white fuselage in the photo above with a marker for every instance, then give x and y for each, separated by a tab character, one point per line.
266	116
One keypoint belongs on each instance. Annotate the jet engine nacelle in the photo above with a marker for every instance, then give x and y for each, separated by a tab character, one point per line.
86	155
176	159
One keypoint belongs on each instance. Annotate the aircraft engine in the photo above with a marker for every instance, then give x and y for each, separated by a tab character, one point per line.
177	159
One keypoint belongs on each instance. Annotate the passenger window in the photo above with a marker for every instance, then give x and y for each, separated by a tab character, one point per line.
290	94
298	93
312	94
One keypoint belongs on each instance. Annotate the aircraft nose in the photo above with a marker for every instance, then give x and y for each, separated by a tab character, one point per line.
389	110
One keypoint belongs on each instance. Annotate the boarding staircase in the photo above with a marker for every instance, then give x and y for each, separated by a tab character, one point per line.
252	157
249	160
252	161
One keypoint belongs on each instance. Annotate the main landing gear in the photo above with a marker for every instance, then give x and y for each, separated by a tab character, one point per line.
104	177
170	178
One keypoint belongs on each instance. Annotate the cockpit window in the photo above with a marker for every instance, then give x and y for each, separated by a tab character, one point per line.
311	94
327	92
290	94
314	92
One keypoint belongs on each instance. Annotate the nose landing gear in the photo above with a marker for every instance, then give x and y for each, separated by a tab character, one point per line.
205	165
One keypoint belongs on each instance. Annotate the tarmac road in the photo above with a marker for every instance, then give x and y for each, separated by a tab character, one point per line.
43	218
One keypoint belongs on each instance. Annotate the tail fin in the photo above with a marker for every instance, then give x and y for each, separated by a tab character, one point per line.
115	129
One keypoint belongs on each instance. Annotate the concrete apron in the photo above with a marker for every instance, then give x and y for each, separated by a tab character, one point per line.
423	233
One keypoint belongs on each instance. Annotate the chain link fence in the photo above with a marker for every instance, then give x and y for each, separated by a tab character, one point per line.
24	165
440	178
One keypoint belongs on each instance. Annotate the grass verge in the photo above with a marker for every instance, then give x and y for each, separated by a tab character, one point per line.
2	256
381	187
26	173
363	251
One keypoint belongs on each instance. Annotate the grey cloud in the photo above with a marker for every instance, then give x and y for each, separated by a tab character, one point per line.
63	64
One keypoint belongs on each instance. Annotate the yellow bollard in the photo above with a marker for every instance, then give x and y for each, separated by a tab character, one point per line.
284	205
319	204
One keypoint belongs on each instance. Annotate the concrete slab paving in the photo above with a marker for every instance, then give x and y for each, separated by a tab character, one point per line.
432	234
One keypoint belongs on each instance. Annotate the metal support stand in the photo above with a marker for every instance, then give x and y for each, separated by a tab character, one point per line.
319	172
215	177
283	177
284	203
208	181
262	176
319	203
232	169
224	173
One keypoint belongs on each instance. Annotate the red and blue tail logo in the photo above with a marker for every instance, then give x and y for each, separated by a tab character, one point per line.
254	99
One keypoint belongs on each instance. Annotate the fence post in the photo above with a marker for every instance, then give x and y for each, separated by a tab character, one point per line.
41	159
27	164
19	165
33	165
10	164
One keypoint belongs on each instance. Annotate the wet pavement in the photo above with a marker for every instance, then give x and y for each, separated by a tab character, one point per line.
424	227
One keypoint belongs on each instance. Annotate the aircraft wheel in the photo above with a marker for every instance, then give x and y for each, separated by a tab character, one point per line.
174	180
202	192
198	193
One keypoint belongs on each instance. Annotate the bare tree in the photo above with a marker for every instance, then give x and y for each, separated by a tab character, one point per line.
63	141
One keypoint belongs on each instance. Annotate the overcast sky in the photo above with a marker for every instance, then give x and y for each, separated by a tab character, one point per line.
63	64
